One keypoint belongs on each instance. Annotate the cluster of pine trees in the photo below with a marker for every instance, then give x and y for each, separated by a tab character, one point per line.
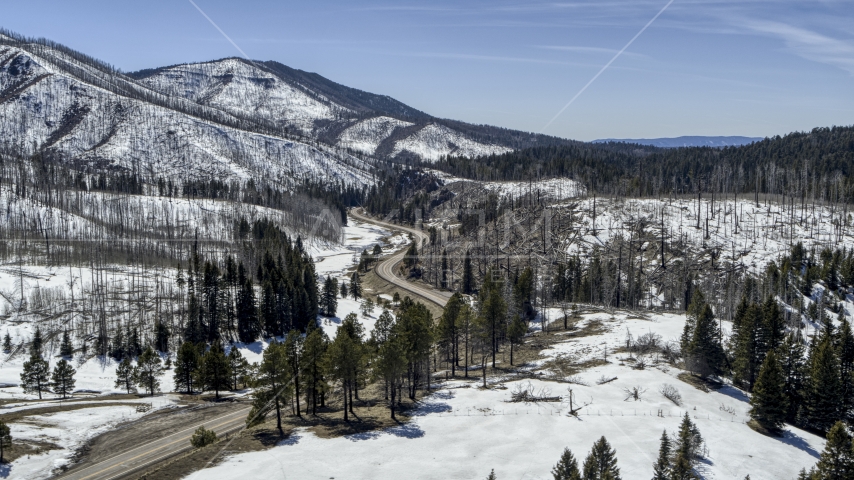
298	373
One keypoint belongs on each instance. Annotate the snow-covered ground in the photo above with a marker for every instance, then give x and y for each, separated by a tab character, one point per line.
434	141
69	430
365	136
763	231
463	431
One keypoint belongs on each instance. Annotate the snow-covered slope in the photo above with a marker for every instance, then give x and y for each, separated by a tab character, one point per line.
239	87
43	107
434	141
367	135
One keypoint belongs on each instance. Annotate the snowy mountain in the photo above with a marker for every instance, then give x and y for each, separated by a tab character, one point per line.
312	106
49	107
686	141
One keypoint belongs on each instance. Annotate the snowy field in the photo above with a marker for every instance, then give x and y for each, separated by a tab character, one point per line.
463	431
740	230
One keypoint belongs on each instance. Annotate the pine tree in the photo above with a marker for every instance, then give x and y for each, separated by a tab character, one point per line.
330	297
314	352
62	380
214	371
342	360
661	468
149	371
161	336
705	355
7	343
5	439
824	389
567	467
35	377
491	475
836	462
248	325
768	403
773	325
125	376
344	291
272	389
66	349
687	451
468	275
356	286
238	366
36	345
746	346
845	352
794	369
294	352
186	367
601	463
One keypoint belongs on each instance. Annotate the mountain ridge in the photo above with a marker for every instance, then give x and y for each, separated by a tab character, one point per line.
685	141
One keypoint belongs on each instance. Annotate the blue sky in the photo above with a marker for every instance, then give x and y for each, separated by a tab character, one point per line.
710	67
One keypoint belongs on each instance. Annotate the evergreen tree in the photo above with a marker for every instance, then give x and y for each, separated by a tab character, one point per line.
62	380
314	352
214	373
836	461
66	349
149	371
468	275
272	389
36	344
342	359
773	325
601	463
186	367
794	371
448	329
35	377
125	376
746	346
356	286
294	353
845	352
687	451
824	388
391	362
491	475
5	439
7	343
248	325
344	291
705	355
567	467
238	366
161	337
493	312
768	403
330	297
661	468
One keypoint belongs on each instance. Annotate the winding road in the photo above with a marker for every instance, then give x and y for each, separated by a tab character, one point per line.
387	267
133	461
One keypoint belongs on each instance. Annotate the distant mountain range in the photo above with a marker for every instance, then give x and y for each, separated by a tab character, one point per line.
687	141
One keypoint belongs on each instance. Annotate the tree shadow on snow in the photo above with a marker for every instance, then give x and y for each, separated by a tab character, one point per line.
5	470
735	393
795	440
426	408
291	439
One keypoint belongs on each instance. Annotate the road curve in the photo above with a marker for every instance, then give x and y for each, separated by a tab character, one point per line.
386	268
138	458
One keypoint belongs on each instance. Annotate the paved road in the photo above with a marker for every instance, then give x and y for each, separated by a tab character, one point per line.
148	454
386	268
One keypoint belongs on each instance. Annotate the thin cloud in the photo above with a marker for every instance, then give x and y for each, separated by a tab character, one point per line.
808	44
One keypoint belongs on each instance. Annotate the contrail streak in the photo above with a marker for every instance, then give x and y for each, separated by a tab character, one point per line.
606	65
223	33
